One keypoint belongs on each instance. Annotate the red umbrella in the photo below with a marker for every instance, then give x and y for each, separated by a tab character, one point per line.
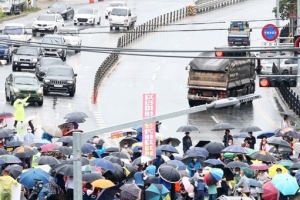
48	147
259	166
6	115
270	191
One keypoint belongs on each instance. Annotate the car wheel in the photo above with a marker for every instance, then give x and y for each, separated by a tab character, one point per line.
111	28
79	46
127	28
71	94
40	103
8	61
14	68
45	92
93	24
55	30
99	21
33	33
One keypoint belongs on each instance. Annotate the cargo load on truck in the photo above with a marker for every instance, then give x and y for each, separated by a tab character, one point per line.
239	26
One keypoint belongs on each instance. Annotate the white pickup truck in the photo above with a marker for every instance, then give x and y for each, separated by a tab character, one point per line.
16	32
121	17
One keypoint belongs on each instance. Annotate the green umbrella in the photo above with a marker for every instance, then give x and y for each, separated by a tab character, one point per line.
285	163
250	151
229	155
248	172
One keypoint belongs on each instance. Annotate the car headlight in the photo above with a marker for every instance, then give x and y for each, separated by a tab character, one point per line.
70	82
47	81
39	91
15	59
16	90
34	59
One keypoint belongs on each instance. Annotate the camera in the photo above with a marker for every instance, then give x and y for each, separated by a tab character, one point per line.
36	189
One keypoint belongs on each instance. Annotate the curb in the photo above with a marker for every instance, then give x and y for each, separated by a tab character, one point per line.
15	17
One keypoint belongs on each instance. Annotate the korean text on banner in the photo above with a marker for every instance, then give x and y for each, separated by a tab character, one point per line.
149	129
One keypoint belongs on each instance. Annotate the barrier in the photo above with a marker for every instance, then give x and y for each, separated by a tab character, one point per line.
192	10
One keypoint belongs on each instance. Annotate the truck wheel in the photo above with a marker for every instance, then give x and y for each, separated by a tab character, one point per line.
45	92
111	28
14	68
117	28
285	72
12	101
75	24
71	94
98	23
55	30
93	24
33	33
40	103
191	103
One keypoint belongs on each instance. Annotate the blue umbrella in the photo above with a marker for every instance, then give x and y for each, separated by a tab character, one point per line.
235	149
214	162
168	148
180	165
105	164
286	184
156	192
137	149
297	175
240	135
87	148
138	129
28	178
266	134
158	152
254	183
198	150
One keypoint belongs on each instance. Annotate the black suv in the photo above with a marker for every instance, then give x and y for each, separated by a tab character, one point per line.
26	57
54	49
60	79
43	65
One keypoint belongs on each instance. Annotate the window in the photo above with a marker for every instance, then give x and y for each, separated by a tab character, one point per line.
46	18
288	62
28	51
23	80
13	30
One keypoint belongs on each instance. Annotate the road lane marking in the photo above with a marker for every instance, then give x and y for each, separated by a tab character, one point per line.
217	121
265	115
158	68
154	76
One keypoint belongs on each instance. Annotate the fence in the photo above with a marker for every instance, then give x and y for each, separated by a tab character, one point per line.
291	99
151	25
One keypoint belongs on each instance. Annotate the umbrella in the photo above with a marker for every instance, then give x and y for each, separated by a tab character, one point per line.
214	162
222	127
142	160
15	143
172	141
90	177
76	114
295	166
24	152
235	164
198	150
138	144
248	172
129	171
76	119
139	129
261	166
263	156
46	168
187	158
131	189
158	152
9	159
286	184
156	192
281	149
187	128
66	139
64	150
55	131
202	143
214	147
103	163
235	149
281	132
279	142
130	141
270	191
87	148
285	163
240	135
168	148
47	160
254	183
297	175
109	193
180	165
250	129
114	159
39	142
90	169
6	115
130	130
187	184
84	161
64	169
151	179
116	175
120	155
3	151
169	174
102	183
112	149
48	147
273	168
213	176
15	170
28	178
266	134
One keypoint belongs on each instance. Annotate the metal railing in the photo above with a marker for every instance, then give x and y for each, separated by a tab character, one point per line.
291	98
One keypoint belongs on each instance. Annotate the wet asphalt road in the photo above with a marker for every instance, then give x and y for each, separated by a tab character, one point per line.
85	64
121	95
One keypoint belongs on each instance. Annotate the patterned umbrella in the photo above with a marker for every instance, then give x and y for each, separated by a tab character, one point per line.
270	191
222	127
213	176
156	192
6	115
131	190
9	159
263	156
48	147
286	184
76	113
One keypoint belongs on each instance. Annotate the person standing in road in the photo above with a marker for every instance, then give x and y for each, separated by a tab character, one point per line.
19	110
227	137
186	142
29	137
251	140
285	122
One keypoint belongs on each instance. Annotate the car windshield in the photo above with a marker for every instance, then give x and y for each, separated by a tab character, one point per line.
68	32
115	4
25	80
60	72
59	5
52	62
18	30
85	11
46	18
119	12
52	40
27	51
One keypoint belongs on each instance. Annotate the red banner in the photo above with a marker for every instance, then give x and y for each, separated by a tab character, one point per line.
149	130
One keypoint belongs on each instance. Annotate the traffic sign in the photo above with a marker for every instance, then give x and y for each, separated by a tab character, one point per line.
296	43
270	32
269	44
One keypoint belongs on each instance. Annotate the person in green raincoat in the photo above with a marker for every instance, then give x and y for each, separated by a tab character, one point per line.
6	181
19	110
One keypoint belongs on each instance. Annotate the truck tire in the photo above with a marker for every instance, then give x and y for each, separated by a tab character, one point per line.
14	68
6	97
12	101
191	103
54	30
111	28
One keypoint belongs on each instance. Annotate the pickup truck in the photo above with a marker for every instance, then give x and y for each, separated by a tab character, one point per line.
16	32
12	6
121	17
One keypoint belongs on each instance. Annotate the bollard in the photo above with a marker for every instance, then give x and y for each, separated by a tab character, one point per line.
95	96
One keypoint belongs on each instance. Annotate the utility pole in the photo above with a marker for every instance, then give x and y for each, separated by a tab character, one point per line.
278	24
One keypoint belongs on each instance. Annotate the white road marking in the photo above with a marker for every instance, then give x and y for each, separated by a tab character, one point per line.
158	68
217	121
153	77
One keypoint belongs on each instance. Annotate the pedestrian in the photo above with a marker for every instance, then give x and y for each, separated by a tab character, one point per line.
251	140
29	136
264	144
186	142
244	183
227	137
285	122
158	161
19	110
200	188
15	136
193	166
30	124
6	182
52	185
212	191
198	174
70	187
44	193
150	169
157	126
127	150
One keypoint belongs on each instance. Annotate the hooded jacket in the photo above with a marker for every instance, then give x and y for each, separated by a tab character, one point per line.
19	109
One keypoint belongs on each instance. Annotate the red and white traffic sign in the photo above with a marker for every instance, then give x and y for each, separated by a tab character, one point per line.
296	44
270	32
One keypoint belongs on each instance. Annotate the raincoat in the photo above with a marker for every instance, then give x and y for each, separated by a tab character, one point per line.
5	187
19	109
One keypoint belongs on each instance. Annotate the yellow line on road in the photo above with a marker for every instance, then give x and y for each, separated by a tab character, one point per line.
265	115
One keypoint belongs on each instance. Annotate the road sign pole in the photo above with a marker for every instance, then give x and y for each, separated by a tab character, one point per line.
298	27
278	24
77	166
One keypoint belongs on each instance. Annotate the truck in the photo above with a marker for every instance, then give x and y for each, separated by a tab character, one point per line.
212	79
12	6
121	17
239	26
241	38
17	33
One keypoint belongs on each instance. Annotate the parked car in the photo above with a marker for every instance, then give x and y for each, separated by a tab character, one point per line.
64	9
5	49
112	5
72	37
266	66
89	16
60	79
20	84
26	57
47	23
55	49
43	65
287	66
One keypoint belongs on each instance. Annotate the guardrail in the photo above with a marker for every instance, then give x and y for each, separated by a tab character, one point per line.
149	26
291	99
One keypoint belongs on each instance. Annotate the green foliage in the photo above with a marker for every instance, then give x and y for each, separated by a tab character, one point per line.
286	8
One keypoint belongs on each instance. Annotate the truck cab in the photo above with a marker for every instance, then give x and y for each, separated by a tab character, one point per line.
121	17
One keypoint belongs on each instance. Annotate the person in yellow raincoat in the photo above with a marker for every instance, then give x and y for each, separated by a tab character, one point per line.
6	181
19	110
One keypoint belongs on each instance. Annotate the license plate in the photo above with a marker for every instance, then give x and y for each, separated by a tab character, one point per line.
238	43
41	29
24	64
58	86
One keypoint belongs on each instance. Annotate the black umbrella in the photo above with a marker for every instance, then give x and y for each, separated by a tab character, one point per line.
168	148
64	150
169	174
263	156
142	160
47	160
24	152
281	149
120	155
5	133
279	142
172	141
214	147
76	119
68	140
202	143
114	159
76	114
187	128
129	171
3	151
295	165
198	150
187	158
112	149
235	164
129	140
108	193
90	177
151	179
228	174
281	132
222	127
116	175
65	169
15	170
84	161
250	129
15	143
